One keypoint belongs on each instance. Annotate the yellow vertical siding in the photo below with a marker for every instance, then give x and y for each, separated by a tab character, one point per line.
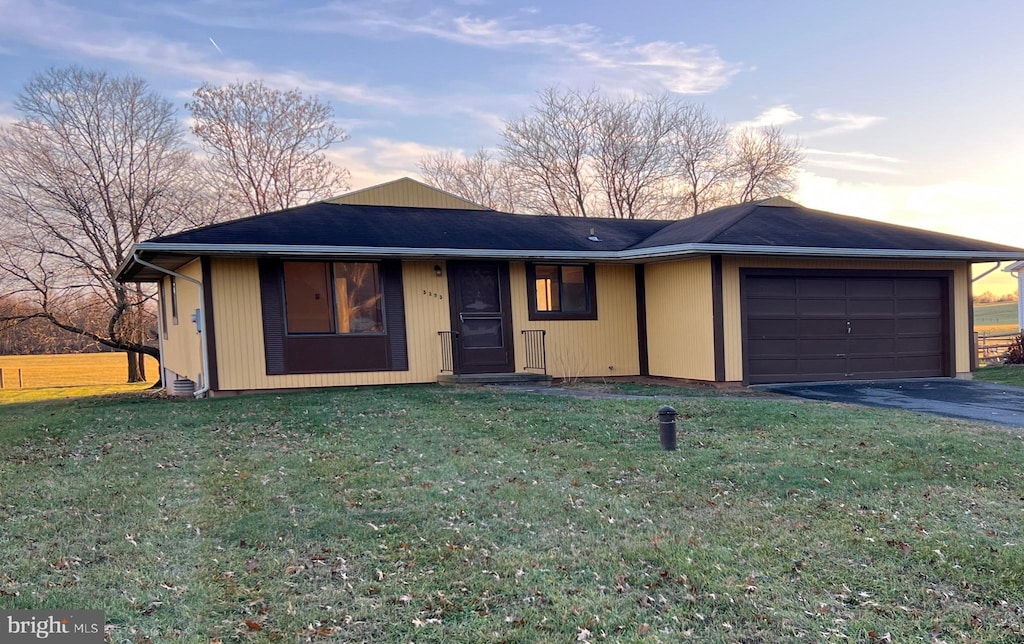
239	327
182	349
960	333
680	331
406	192
584	348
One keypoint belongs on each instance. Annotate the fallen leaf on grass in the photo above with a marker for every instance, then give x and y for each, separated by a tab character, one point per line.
253	626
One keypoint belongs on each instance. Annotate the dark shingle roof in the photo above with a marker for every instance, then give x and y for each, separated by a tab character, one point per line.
769	227
755	224
332	224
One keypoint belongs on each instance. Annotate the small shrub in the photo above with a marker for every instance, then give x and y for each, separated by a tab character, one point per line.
1015	354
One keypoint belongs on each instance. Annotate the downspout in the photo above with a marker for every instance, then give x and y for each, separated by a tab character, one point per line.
160	321
202	320
991	270
1020	301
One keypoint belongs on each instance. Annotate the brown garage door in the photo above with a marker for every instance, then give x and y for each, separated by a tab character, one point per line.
801	328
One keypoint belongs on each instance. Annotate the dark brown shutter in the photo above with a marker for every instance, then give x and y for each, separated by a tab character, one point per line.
394	312
273	315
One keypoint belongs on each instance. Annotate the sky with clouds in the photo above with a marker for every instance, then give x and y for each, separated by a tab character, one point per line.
909	111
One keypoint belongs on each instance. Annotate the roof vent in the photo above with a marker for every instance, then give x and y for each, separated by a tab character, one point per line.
593	237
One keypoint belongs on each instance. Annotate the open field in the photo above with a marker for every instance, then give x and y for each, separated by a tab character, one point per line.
995	318
438	514
72	369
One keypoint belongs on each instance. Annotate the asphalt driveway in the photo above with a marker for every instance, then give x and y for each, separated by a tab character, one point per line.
969	399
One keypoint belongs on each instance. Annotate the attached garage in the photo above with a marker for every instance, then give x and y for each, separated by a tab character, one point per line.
846	325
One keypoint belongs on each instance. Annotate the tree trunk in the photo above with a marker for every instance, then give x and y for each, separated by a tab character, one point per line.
142	366
133	367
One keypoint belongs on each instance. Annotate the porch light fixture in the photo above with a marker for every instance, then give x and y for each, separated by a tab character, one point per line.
437	270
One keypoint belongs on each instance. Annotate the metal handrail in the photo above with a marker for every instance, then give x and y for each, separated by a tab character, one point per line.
536	350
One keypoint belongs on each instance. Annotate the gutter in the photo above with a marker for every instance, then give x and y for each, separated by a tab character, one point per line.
654	253
202	321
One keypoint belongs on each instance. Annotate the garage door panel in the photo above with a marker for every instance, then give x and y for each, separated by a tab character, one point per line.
773	367
918	326
871	346
807	347
820	287
869	287
771	307
931	344
821	367
776	287
837	327
772	328
872	326
860	365
915	288
772	347
872	307
918	307
923	364
821	327
821	307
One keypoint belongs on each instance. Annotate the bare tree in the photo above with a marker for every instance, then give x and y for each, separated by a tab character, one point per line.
266	146
481	178
630	157
548	150
704	169
583	154
765	162
93	165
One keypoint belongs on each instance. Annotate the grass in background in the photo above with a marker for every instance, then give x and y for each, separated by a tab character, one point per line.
12	396
1000	317
70	369
431	514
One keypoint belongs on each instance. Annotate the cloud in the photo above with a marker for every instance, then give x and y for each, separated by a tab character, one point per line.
377	160
579	51
63	28
852	161
777	115
839	122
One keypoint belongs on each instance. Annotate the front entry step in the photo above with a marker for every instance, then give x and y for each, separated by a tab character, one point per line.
493	378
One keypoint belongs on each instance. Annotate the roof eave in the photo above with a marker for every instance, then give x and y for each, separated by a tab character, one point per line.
636	254
678	250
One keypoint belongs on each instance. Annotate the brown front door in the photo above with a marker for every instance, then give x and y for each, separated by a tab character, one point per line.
481	309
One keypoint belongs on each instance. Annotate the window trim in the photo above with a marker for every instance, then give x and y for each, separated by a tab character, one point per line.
589	281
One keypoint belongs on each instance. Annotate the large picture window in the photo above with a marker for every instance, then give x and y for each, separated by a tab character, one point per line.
561	292
333	298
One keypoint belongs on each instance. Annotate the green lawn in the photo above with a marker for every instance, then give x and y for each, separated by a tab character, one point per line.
1009	374
436	514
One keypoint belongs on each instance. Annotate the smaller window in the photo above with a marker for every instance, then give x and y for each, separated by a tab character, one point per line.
561	292
174	300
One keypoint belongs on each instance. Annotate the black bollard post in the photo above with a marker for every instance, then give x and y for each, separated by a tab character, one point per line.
667	427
